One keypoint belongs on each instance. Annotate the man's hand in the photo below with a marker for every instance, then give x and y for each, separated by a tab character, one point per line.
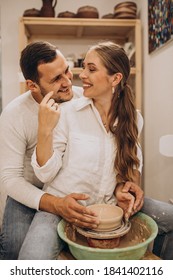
130	198
49	113
70	209
48	117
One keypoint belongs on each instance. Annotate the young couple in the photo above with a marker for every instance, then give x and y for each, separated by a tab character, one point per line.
85	151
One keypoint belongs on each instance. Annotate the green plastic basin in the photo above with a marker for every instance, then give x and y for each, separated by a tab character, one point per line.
134	252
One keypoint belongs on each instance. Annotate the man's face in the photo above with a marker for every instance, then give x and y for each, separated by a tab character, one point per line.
56	76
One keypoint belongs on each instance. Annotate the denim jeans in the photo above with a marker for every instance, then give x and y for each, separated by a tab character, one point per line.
16	222
162	213
27	234
40	240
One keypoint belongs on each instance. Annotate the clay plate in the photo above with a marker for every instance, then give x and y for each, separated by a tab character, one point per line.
124	229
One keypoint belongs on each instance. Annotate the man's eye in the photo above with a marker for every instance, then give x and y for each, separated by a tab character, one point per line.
67	70
58	78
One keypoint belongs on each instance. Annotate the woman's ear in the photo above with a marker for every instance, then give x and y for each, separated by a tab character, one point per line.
31	85
117	79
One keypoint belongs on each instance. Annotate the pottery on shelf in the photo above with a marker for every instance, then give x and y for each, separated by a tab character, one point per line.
48	8
66	14
31	13
87	12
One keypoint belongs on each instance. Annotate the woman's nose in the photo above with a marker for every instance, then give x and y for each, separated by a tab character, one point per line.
82	75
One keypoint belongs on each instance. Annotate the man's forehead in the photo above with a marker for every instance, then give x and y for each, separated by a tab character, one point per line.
59	53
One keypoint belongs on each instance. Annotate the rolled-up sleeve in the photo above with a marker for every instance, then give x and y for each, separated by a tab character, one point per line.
49	170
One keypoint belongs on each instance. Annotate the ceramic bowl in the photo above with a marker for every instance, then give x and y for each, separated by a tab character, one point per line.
144	224
110	216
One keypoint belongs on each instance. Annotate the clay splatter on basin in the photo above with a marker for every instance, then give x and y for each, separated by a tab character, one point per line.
138	233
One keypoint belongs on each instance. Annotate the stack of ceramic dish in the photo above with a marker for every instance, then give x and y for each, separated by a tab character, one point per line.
126	9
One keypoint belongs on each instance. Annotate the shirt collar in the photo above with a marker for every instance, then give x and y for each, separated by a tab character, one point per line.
82	102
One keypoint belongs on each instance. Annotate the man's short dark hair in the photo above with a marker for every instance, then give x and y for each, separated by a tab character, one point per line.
33	55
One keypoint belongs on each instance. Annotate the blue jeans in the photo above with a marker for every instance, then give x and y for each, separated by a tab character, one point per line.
16	222
18	218
42	241
162	213
27	234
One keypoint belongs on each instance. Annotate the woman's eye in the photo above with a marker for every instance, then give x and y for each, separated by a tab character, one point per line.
92	69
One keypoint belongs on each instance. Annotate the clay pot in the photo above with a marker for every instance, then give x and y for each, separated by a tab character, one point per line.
87	12
48	8
31	13
66	14
110	15
110	216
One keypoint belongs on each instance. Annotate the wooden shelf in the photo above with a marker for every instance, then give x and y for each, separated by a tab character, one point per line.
70	27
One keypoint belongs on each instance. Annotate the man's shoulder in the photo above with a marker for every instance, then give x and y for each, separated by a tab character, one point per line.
18	106
77	91
17	100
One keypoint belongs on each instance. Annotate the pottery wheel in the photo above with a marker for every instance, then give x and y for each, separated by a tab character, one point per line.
118	232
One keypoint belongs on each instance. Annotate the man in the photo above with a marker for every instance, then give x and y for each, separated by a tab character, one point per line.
45	69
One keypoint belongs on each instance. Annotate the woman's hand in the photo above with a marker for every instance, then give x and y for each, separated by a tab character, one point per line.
130	197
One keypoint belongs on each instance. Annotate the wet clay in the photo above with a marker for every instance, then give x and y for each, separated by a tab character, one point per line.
138	233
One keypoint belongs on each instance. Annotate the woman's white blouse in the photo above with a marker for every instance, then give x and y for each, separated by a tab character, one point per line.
84	154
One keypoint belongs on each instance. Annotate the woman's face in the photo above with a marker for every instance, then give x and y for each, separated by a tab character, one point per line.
96	81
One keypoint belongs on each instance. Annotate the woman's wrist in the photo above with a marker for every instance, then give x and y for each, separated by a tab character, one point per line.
120	183
119	186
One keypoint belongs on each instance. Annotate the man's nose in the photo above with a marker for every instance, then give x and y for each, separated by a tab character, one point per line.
67	80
